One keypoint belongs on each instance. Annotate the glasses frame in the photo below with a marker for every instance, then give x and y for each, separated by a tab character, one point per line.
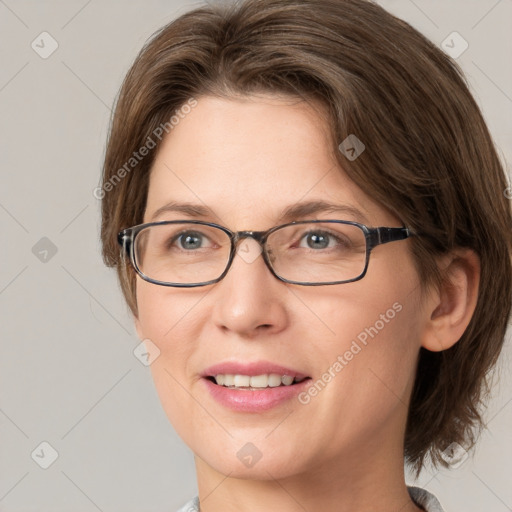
373	236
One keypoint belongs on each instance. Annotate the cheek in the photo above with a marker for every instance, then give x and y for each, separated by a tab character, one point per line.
367	362
167	317
155	318
366	312
363	380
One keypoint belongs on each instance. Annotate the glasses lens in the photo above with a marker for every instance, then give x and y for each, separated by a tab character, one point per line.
320	252
182	253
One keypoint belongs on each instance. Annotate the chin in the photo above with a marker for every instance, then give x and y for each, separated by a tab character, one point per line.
252	461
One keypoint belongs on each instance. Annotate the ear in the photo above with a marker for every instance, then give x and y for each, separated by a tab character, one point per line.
451	307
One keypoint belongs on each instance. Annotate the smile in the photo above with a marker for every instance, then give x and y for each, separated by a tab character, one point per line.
253	387
255	382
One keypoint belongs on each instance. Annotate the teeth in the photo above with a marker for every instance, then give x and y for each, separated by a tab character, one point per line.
274	380
241	381
287	379
271	380
258	381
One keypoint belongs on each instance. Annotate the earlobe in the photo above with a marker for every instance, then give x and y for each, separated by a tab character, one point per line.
451	307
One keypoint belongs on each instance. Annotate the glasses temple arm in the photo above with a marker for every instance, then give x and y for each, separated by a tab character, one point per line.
379	236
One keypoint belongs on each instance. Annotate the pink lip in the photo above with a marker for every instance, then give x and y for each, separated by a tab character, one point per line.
252	401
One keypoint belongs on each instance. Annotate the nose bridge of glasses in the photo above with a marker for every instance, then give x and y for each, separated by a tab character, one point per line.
245	251
259	236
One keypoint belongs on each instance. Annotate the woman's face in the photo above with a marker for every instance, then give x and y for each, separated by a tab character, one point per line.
247	161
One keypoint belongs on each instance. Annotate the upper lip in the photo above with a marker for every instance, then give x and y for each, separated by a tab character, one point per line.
251	369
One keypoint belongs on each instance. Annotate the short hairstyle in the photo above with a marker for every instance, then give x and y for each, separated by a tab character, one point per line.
428	158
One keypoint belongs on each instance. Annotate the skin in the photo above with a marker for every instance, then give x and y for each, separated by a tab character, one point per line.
247	159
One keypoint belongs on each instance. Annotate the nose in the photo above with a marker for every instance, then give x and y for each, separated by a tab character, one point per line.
250	300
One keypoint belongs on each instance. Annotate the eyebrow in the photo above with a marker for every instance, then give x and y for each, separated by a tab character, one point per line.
299	211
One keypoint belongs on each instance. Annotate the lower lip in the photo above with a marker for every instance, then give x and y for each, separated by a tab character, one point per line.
246	400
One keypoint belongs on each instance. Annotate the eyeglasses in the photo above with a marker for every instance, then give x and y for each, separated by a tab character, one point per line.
309	253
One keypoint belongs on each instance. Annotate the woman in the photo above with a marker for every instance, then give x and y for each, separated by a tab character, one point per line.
315	245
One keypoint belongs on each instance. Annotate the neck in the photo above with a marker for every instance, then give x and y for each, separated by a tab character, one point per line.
363	479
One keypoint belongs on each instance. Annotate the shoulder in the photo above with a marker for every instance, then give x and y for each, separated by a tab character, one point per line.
191	506
425	499
420	496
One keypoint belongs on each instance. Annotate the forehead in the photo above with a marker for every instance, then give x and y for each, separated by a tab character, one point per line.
247	159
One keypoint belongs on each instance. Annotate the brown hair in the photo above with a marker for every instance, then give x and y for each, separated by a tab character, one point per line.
429	157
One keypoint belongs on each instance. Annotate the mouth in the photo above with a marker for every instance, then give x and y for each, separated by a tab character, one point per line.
255	382
253	387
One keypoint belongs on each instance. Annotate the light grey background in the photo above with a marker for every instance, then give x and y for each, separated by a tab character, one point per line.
68	375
